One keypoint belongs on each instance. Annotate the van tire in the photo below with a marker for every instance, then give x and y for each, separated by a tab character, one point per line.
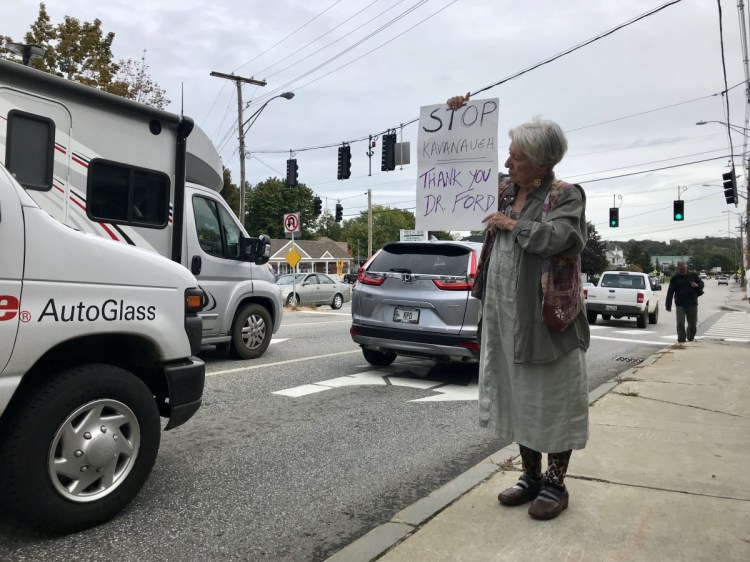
606	317
338	301
591	317
31	446
251	332
378	358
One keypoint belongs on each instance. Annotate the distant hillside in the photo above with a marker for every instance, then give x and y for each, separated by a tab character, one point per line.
695	246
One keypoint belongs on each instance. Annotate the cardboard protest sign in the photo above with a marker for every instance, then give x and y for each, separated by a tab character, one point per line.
457	165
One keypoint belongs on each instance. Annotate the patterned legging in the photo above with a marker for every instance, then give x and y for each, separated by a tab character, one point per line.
557	465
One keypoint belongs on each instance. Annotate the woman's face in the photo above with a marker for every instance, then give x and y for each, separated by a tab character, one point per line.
522	172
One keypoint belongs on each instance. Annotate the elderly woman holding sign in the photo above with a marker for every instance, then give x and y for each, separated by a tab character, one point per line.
534	333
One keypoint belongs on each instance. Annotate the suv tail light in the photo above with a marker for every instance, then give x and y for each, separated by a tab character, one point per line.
460	284
641	298
367	278
370	278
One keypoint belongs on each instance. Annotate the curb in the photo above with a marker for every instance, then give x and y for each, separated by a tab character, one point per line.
407	521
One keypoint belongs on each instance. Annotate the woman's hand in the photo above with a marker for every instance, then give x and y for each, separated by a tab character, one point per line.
498	221
457	101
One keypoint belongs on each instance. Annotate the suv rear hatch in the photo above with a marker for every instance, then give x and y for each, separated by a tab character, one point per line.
419	286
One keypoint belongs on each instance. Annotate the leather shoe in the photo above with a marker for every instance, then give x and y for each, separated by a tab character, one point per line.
549	503
521	492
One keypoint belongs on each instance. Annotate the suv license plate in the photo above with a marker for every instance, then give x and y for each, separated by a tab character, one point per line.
402	314
611	307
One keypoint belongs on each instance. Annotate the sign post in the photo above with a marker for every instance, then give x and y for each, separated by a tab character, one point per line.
292	226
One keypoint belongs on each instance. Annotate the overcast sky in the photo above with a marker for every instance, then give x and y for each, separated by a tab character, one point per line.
628	101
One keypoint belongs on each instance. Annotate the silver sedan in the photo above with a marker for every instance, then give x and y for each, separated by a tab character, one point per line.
313	289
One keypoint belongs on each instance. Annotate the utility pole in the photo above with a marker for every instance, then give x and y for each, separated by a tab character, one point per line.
369	223
238	81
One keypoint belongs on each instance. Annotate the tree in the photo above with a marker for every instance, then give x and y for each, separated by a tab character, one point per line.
594	255
230	192
327	226
386	224
637	256
270	200
83	53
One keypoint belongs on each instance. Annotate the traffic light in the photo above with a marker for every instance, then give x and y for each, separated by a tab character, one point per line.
317	206
339	212
614	217
345	162
291	172
388	161
730	186
679	210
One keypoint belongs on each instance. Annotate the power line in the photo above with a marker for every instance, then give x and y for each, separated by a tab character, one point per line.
308	22
504	80
326	33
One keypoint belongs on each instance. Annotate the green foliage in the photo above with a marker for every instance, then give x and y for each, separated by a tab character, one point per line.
268	202
386	224
82	52
638	258
230	192
327	226
702	253
594	255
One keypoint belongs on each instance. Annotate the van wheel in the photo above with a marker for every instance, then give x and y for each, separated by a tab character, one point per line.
591	317
251	332
338	301
292	300
642	319
653	318
378	358
78	448
606	317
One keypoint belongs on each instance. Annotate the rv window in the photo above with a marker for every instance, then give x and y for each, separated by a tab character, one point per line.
30	149
232	234
207	225
218	231
125	194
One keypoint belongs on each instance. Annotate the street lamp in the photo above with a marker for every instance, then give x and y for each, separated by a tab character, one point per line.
735	128
249	123
26	52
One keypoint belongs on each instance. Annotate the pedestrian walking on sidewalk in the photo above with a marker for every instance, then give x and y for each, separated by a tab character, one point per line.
533	388
685	286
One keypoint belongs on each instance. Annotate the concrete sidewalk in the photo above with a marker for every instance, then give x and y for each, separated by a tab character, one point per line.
665	476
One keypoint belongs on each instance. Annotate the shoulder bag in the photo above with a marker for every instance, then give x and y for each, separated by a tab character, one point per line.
562	293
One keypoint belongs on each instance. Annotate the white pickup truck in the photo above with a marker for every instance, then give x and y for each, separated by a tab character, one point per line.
623	294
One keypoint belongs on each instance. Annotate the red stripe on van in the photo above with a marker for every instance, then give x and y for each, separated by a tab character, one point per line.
60	148
81	162
112	234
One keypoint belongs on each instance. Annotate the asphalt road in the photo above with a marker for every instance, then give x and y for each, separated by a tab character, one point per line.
270	470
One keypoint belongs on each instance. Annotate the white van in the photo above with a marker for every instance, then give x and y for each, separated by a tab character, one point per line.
140	177
97	340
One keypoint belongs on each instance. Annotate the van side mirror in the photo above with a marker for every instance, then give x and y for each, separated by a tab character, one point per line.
256	249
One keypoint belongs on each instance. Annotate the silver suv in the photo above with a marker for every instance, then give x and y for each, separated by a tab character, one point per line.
413	298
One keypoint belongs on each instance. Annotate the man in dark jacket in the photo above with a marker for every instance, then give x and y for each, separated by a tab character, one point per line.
685	287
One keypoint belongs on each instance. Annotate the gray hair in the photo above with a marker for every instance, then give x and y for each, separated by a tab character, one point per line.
542	141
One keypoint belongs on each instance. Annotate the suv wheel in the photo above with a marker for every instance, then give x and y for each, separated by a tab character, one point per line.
378	358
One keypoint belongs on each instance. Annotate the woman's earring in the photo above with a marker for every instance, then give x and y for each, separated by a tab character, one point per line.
537	182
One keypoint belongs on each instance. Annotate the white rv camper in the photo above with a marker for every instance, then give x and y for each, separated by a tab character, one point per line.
143	177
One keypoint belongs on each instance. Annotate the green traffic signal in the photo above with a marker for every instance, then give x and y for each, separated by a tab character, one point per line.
679	210
614	217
